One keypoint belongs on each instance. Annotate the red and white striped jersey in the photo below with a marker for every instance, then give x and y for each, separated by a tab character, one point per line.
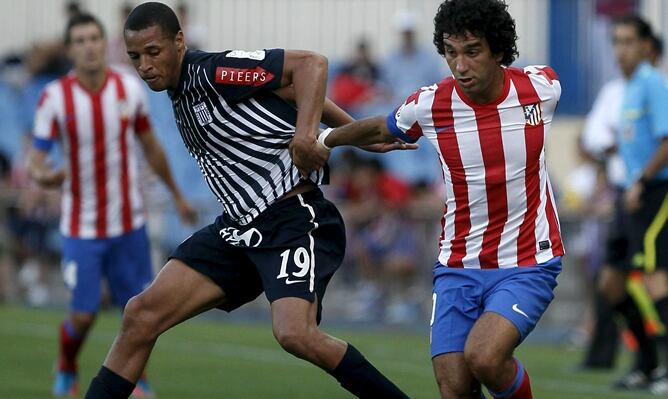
499	207
101	193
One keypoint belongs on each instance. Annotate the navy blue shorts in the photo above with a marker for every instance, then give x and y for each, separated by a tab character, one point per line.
125	261
461	296
291	250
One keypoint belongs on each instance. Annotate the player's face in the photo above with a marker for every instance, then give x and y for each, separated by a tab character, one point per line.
87	48
155	56
478	72
629	48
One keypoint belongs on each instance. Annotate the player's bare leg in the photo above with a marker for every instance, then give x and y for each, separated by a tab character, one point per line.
177	294
489	355
296	330
454	379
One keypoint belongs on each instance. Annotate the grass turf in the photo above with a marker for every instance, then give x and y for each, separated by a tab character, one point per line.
206	358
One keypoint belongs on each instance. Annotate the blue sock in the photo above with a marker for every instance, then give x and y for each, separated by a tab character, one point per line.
70	330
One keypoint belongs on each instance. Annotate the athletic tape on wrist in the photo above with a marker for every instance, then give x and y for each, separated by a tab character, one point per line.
323	135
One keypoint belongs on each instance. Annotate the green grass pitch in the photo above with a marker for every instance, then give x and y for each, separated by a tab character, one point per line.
206	358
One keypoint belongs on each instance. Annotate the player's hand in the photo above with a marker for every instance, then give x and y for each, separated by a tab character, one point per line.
307	154
187	213
387	147
632	197
50	178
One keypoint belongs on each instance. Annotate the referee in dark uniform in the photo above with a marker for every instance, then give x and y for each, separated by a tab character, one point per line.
237	114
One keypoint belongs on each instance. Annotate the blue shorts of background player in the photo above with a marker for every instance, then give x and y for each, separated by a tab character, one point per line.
461	296
124	261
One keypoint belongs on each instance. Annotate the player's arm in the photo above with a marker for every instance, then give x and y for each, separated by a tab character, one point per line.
398	130
40	170
44	136
307	73
657	162
157	160
657	97
371	134
332	114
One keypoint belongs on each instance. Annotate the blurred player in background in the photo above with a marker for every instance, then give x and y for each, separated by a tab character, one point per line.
278	234
627	296
642	138
96	113
500	246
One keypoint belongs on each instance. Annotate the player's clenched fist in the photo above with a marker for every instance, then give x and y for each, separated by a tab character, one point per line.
307	155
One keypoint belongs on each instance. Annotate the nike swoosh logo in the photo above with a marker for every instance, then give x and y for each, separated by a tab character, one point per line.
294	281
518	310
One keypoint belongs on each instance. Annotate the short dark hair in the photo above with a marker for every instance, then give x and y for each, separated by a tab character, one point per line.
153	14
643	29
81	19
482	18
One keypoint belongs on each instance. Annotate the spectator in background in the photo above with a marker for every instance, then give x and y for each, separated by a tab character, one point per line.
196	39
116	52
383	243
355	87
6	269
72	9
409	66
96	113
12	79
32	219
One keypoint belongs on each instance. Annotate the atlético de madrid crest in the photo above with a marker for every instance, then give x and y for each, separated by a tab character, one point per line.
532	114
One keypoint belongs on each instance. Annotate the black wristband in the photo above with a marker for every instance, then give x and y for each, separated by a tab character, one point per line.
643	180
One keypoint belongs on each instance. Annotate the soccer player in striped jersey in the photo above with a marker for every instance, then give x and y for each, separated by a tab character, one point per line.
500	248
277	233
96	112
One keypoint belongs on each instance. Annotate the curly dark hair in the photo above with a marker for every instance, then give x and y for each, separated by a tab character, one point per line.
482	18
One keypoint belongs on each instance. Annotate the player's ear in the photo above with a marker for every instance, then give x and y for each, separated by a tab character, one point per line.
179	40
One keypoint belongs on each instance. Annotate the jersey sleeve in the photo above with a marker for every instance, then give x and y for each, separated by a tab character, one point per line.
142	121
239	74
403	121
657	101
46	128
546	82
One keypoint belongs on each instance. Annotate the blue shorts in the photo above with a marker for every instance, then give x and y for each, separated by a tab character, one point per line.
461	296
125	261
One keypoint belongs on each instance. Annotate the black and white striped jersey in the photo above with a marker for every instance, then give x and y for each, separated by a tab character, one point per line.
237	129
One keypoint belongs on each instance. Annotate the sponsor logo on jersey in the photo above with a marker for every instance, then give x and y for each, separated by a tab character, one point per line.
253	55
202	113
257	76
249	238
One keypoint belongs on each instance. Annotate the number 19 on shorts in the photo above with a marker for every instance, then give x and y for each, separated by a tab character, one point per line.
301	259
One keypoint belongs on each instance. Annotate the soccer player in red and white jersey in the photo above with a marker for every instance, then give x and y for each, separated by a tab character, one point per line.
95	113
500	248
